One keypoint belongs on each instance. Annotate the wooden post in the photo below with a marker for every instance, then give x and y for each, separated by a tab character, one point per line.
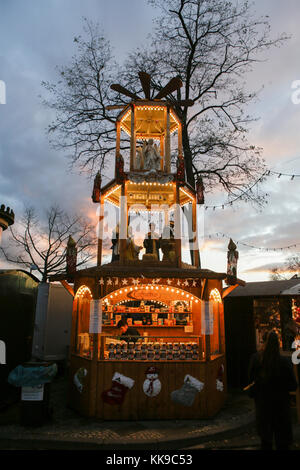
133	139
100	231
123	222
162	152
180	140
177	225
196	258
168	143
118	143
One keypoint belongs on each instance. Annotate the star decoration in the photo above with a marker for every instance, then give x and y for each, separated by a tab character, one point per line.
178	283
169	281
101	282
109	281
124	282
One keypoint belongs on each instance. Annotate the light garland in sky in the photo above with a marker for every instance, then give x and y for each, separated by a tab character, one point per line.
223	235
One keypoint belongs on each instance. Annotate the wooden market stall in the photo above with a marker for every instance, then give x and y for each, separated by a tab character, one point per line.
176	368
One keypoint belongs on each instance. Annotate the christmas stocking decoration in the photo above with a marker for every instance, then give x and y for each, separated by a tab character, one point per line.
220	378
119	387
186	394
79	378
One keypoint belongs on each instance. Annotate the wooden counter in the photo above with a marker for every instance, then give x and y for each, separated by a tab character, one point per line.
137	405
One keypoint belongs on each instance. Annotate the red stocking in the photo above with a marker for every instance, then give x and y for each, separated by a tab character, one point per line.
119	387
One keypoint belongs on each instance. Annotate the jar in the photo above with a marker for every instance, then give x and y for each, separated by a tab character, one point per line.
156	346
150	355
131	345
111	355
170	346
163	355
169	356
182	346
143	346
176	347
137	355
111	346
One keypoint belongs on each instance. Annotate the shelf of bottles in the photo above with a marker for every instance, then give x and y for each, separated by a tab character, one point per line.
155	348
151	315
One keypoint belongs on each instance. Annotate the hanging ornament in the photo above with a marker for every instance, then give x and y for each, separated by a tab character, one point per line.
119	387
78	379
152	384
187	393
109	281
220	379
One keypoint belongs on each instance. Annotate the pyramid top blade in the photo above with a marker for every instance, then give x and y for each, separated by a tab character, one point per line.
145	79
124	91
171	86
185	102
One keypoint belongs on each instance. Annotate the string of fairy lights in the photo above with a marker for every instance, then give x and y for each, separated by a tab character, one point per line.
218	235
246	193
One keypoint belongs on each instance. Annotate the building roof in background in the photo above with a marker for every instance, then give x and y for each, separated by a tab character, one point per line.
267	288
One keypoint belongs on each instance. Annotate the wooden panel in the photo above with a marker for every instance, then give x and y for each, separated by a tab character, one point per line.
137	405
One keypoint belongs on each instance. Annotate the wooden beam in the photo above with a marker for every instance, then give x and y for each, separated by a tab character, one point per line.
67	287
228	290
203	288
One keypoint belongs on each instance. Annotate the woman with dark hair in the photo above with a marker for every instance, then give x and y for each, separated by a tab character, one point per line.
274	379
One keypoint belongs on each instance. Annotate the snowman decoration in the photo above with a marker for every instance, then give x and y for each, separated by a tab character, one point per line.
152	384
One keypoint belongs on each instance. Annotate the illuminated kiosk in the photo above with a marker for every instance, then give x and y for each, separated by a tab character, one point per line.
177	369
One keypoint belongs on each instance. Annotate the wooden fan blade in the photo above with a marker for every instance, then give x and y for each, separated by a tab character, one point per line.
171	86
115	106
145	79
123	91
185	102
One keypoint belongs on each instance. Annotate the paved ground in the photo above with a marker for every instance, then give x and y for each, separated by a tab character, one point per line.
232	428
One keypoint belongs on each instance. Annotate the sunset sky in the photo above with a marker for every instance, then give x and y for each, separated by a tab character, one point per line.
36	36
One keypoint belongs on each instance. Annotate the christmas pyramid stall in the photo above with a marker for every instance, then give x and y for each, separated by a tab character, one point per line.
176	367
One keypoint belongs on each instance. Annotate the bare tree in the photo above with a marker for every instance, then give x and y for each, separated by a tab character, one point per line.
290	267
44	245
210	45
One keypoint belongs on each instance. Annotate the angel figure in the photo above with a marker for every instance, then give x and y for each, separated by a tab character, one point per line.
151	156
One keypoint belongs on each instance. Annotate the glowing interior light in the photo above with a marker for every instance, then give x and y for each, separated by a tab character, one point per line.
215	295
